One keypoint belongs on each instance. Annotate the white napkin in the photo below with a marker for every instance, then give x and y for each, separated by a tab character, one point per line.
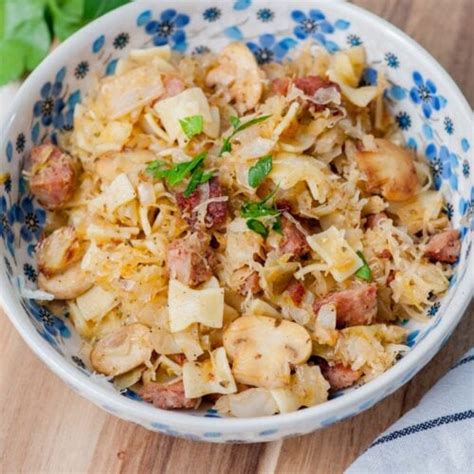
435	437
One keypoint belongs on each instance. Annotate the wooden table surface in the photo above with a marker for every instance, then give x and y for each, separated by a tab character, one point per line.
45	427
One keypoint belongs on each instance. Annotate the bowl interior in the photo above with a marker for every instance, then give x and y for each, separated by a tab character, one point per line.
429	110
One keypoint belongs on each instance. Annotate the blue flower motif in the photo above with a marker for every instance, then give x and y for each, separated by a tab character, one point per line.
79	362
29	272
448	125
201	50
265	15
8	184
31	219
169	29
392	60
268	49
403	120
53	325
121	40
466	170
81	70
449	210
443	164
20	143
369	77
51	104
353	40
424	92
8	266
211	14
7	218
65	119
314	25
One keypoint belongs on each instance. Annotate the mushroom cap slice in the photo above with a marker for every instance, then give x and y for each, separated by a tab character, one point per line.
390	170
58	251
67	285
238	70
122	350
263	349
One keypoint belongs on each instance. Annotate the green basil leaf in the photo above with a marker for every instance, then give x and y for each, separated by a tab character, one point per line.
364	272
259	171
192	125
258	227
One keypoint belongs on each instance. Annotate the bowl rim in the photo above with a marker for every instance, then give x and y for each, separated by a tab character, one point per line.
384	384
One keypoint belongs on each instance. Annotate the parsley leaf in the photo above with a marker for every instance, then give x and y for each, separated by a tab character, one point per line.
238	127
198	177
192	125
277	227
260	170
258	227
364	272
176	173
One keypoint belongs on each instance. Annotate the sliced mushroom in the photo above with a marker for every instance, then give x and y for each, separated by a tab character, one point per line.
238	71
263	349
122	350
58	251
67	285
390	170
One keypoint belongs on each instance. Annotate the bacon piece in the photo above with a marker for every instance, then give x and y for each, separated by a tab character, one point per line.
53	176
338	375
294	241
373	219
385	253
310	84
354	306
168	396
173	86
251	285
296	290
283	205
444	247
189	259
280	85
216	212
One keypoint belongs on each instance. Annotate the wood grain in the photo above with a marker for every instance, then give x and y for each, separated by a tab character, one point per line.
45	427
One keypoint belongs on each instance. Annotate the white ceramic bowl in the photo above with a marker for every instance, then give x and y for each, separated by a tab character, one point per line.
429	107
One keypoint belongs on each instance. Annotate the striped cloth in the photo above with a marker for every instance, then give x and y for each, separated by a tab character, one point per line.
436	437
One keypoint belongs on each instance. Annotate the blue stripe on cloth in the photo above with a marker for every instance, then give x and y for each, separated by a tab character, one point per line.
463	361
426	425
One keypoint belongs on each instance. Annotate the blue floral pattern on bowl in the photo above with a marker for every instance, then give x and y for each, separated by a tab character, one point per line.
420	104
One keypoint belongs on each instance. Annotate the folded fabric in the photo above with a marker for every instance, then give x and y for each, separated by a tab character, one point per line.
435	437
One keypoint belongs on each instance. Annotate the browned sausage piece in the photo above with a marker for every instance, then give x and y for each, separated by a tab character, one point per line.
53	176
294	241
280	85
444	247
338	375
354	307
251	285
189	259
216	212
373	219
296	290
310	84
168	396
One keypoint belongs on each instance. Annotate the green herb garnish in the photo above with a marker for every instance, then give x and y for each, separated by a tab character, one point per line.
258	227
198	177
192	125
29	26
253	210
260	170
177	173
364	272
238	127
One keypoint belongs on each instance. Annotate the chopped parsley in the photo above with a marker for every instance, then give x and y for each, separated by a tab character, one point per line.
260	170
192	125
238	127
364	272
